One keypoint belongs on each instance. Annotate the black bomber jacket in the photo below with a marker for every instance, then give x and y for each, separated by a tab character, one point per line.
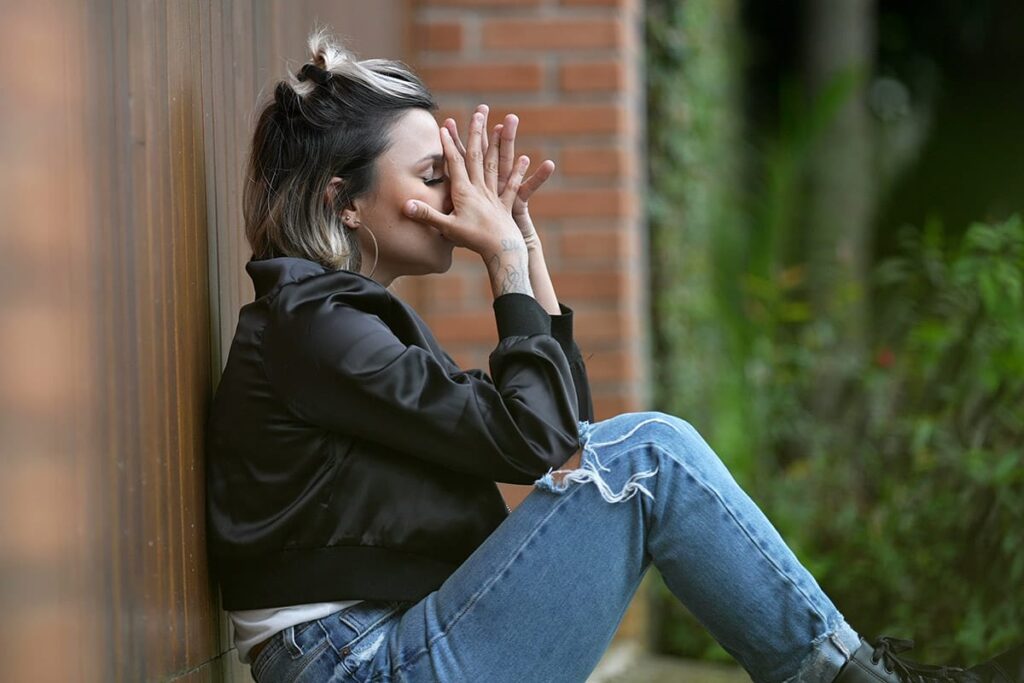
349	457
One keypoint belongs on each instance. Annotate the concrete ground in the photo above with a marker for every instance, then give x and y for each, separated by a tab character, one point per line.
626	664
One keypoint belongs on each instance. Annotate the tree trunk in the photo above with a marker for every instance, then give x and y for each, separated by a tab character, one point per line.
841	197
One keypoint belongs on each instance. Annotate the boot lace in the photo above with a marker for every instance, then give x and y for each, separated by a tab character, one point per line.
887	650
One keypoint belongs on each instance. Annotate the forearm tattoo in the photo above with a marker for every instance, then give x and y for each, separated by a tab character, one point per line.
511	267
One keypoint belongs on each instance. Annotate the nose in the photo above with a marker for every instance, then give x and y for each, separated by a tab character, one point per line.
447	206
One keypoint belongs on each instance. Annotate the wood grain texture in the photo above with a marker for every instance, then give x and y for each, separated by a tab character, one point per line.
123	273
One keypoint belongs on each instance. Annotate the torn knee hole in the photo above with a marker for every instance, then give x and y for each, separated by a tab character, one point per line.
558	481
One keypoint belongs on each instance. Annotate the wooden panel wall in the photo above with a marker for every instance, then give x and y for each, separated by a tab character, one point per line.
124	126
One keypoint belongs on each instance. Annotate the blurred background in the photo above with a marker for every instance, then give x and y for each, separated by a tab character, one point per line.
795	224
835	198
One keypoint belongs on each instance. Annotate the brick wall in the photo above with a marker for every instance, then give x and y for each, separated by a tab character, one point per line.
571	70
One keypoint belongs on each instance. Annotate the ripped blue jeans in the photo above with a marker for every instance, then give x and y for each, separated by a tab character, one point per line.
541	598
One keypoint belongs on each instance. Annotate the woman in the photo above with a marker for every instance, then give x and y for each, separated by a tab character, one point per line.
354	524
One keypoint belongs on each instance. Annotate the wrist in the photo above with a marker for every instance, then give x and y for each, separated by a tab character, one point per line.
527	229
509	271
530	238
502	247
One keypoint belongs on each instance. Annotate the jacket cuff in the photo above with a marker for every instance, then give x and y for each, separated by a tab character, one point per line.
520	315
561	327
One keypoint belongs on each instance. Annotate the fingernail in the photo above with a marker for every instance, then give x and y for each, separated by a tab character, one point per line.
410	208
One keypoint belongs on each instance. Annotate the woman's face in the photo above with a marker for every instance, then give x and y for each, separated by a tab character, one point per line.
412	168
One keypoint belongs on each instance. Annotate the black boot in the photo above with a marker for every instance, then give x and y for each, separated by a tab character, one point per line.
879	663
1008	666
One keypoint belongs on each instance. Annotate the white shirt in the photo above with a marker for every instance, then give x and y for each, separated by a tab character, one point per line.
252	626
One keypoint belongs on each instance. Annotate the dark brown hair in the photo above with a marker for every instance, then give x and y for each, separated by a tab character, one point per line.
310	132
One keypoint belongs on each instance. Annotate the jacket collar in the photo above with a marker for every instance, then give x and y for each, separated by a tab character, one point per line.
270	274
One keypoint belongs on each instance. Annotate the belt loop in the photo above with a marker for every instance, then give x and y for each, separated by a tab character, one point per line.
290	644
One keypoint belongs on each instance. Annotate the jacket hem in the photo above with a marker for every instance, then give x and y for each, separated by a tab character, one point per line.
301	576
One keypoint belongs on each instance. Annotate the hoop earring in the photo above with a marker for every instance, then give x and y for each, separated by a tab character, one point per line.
376	250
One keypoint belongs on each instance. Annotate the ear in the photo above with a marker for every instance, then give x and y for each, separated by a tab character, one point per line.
349	212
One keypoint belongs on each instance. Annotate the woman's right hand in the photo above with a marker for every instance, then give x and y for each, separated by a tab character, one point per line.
482	217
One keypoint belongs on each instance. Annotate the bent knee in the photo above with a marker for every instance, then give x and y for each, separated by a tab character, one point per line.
652	422
671	435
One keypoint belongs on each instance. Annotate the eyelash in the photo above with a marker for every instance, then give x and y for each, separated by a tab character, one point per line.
435	181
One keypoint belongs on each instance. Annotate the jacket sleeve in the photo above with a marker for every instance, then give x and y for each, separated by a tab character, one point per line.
562	331
344	370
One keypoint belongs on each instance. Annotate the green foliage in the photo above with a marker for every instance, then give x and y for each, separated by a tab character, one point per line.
921	532
908	507
917	525
692	120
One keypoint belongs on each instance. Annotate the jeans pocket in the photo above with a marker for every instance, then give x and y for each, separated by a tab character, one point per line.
285	648
338	647
357	633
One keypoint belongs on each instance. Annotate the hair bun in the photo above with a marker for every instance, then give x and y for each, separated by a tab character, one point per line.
314	73
327	53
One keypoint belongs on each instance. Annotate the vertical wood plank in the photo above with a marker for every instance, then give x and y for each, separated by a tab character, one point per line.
123	275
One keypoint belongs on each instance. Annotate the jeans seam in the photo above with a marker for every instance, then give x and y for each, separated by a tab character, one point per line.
632	430
565	497
312	656
768	558
487	587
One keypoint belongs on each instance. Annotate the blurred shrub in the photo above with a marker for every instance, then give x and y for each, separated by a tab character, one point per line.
920	528
910	515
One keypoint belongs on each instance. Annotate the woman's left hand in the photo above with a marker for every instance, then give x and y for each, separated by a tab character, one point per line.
504	135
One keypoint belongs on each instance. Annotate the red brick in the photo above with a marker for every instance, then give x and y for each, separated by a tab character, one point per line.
551	119
570	119
591	76
441	37
611	404
537	156
600	326
552	34
443	291
483	3
515	494
535	149
601	3
463	327
593	161
590	285
611	365
520	77
466	359
564	203
604	246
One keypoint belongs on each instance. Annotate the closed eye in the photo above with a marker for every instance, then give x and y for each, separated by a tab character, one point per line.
435	181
